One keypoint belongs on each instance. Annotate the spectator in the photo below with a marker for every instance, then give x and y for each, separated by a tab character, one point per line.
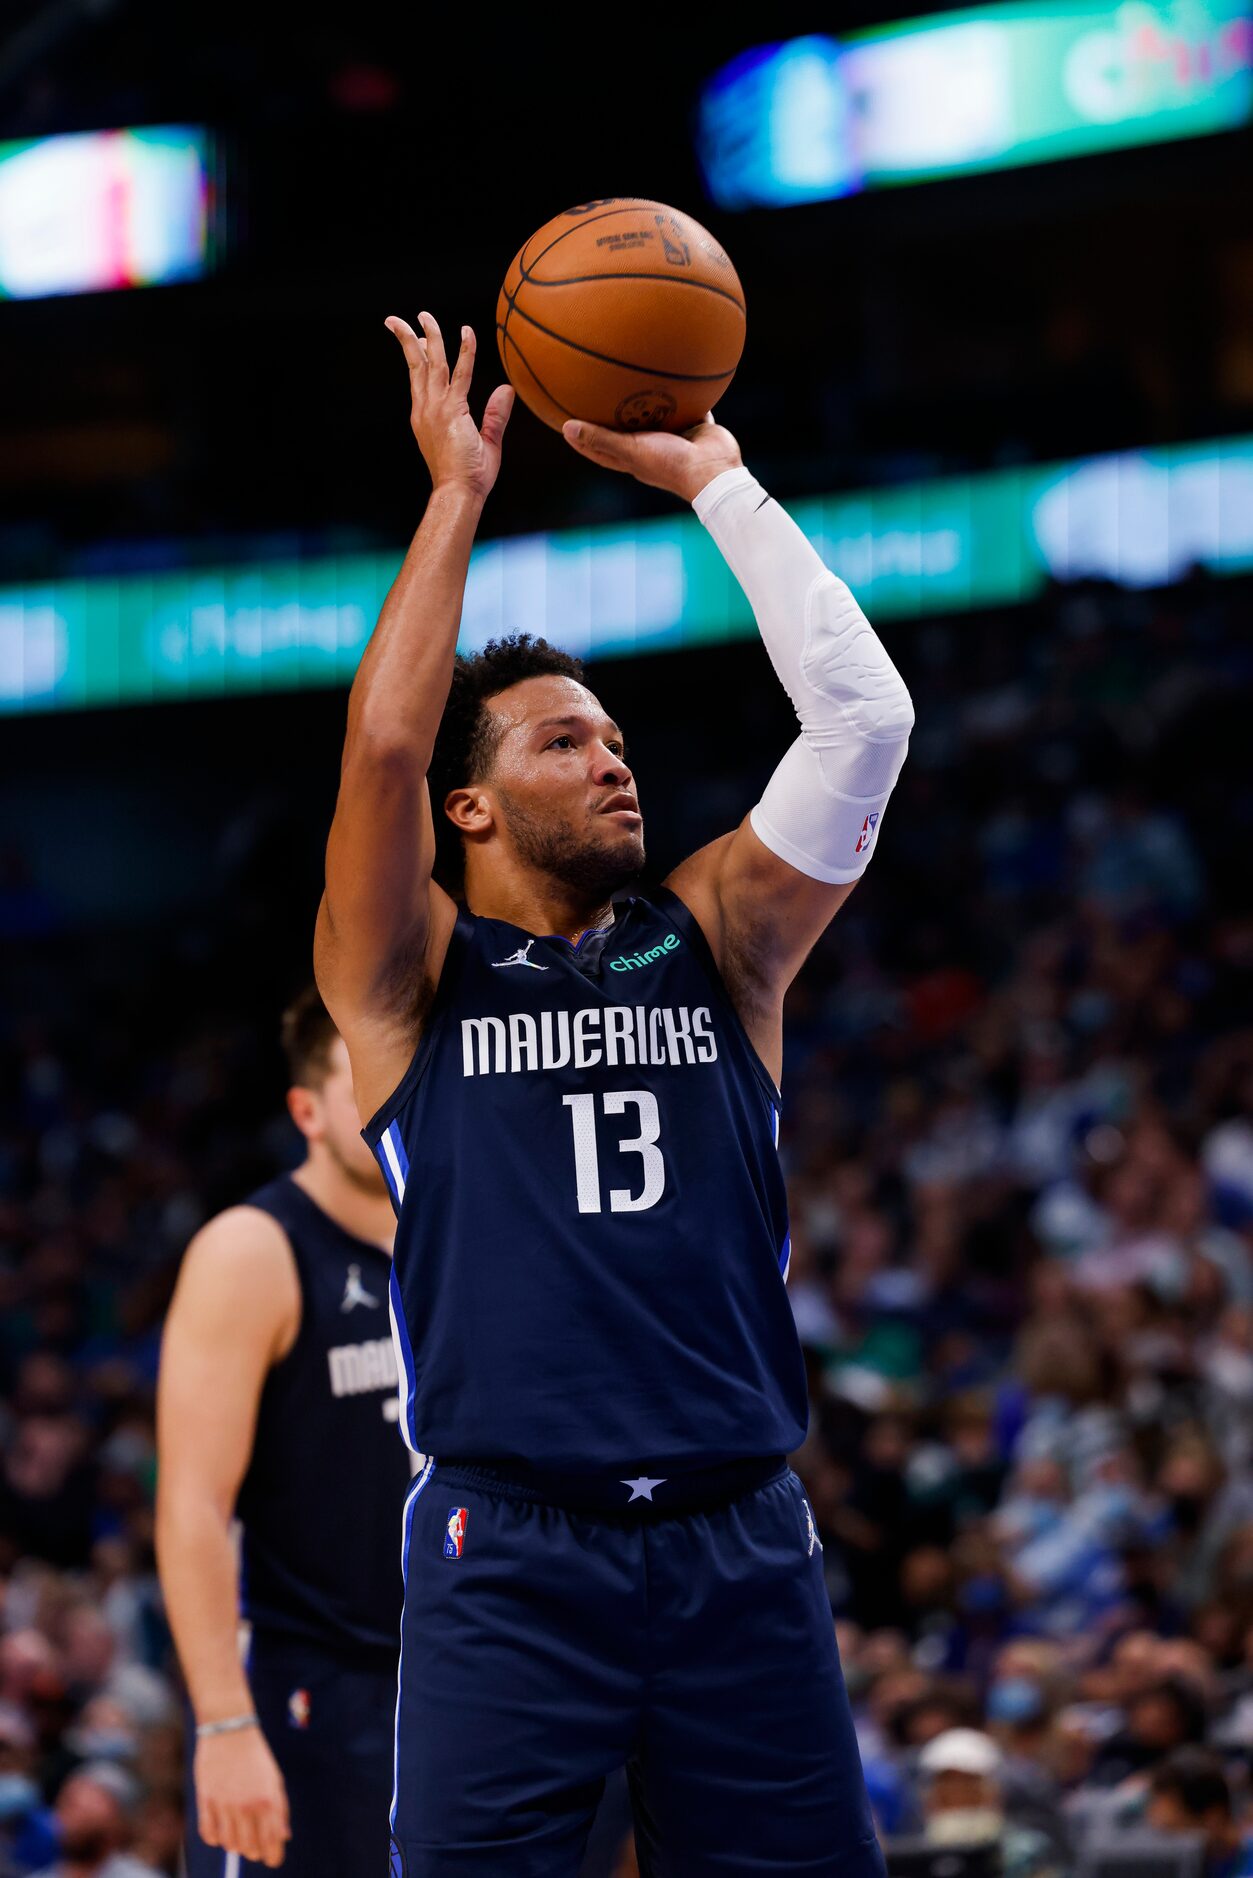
962	1803
1190	1793
95	1814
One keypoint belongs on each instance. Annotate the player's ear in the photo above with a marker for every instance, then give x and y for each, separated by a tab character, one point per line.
305	1110
469	811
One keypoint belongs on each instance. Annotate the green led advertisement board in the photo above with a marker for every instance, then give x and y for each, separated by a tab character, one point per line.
986	88
1142	519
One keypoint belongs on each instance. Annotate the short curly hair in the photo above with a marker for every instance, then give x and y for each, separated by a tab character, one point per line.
469	734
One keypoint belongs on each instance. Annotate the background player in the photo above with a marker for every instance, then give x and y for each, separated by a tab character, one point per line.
560	1365
277	1402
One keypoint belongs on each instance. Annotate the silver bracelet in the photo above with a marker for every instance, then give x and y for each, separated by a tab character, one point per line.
231	1726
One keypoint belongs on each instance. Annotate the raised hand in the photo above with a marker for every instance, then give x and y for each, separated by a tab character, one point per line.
457	451
683	464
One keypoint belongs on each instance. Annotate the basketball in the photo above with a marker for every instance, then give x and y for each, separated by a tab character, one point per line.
622	312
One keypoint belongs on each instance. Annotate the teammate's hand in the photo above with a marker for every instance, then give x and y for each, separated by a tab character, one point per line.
458	453
241	1802
683	464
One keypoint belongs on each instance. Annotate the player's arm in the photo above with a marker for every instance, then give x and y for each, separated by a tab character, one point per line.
235	1312
764	893
383	926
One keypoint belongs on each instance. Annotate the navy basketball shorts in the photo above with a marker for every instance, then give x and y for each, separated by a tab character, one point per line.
544	1647
329	1724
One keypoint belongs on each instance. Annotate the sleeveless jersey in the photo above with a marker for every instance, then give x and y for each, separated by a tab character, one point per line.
592	1245
320	1504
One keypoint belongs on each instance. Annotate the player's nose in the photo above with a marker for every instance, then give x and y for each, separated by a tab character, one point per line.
609	767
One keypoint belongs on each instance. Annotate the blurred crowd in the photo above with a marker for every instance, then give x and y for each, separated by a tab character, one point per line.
1018	1136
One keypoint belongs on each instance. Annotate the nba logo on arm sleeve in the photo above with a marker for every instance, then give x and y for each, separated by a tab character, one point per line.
867	834
455	1531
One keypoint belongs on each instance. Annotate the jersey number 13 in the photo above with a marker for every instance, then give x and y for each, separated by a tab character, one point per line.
587	1155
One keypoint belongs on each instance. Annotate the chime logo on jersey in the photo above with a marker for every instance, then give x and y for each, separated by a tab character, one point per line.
866	836
455	1531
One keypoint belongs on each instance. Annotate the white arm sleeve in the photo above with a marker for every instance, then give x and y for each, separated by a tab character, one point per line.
823	806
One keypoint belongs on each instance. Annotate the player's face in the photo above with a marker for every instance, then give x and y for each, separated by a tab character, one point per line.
329	1115
564	788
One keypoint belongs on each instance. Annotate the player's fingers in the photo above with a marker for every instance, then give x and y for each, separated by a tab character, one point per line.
208	1824
272	1838
228	1828
463	371
614	449
411	345
248	1835
437	358
496	415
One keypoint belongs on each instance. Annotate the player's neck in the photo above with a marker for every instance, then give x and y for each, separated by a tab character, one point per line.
537	904
364	1214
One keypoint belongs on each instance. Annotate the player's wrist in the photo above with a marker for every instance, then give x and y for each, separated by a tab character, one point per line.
456	494
720	483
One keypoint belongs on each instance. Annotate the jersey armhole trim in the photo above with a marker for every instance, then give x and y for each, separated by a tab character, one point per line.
668	901
454	961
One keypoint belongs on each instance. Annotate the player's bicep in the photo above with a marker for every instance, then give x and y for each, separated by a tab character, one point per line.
761	915
235	1311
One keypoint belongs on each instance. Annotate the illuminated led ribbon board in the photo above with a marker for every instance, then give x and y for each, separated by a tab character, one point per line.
1142	519
987	88
98	210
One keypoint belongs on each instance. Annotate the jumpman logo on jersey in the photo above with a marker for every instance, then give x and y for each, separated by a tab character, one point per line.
519	958
355	1292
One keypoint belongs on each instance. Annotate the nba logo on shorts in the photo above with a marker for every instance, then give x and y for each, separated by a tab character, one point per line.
455	1531
866	836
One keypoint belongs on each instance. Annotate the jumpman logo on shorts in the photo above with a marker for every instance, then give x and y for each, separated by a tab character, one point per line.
519	958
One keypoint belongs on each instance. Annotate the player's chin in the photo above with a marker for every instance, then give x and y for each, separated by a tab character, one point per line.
620	852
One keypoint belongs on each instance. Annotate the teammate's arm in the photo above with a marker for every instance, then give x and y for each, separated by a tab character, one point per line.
235	1312
383	926
764	893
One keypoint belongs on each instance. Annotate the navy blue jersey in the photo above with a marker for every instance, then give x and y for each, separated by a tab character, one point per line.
320	1503
589	1271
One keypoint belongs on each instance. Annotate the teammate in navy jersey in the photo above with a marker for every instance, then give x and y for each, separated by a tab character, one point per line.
277	1402
607	1560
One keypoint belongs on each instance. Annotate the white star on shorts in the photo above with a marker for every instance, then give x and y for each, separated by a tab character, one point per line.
642	1489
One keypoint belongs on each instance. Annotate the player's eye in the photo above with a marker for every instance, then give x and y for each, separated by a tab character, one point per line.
563	742
616	749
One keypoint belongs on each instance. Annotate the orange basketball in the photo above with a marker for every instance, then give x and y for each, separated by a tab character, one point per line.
623	312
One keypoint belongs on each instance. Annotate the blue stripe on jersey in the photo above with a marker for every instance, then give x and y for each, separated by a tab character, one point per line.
415	1493
785	1250
394	1162
404	1362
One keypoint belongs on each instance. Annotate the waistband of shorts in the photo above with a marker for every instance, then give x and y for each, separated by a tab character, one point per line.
628	1493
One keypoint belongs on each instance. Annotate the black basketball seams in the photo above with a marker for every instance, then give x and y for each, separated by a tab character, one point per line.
509	340
636	204
606	358
671	280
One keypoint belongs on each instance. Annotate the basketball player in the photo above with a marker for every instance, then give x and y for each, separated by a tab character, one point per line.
277	1402
607	1559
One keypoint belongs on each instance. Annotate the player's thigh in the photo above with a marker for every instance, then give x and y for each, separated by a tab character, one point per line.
519	1683
749	1762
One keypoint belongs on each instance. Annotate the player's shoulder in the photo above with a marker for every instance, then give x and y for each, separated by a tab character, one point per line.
238	1287
241	1241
